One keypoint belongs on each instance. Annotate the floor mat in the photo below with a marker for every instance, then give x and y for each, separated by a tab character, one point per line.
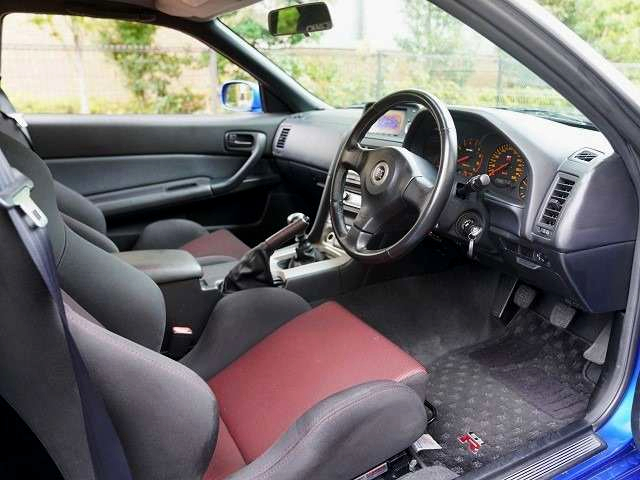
429	315
507	391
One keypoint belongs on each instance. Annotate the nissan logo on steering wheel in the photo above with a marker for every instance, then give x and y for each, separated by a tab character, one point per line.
379	173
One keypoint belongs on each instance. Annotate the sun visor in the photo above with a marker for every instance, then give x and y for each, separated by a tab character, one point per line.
200	9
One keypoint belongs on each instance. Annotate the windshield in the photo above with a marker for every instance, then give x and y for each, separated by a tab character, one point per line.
379	46
611	27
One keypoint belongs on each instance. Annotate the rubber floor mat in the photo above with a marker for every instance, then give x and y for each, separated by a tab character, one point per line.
502	393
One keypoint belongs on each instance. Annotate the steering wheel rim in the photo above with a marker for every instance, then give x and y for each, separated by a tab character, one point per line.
392	179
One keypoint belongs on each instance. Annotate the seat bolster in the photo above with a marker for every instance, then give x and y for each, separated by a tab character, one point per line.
90	234
417	380
344	435
238	322
94	278
168	234
165	415
82	209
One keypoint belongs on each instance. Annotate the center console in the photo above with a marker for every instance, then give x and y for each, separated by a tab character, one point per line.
189	289
314	266
315	280
325	277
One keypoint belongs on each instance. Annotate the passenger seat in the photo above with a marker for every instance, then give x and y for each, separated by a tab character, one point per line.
88	221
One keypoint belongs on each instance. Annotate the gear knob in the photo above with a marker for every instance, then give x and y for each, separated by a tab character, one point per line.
297	216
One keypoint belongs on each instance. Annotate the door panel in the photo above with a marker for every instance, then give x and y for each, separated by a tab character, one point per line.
73	136
106	174
138	168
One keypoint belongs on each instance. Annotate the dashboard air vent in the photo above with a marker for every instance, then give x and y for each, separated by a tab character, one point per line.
585	155
282	139
555	203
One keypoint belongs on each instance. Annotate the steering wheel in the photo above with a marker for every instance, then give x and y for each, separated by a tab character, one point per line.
392	180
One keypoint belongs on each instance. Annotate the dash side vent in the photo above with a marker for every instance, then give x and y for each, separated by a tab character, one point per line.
282	138
563	185
585	155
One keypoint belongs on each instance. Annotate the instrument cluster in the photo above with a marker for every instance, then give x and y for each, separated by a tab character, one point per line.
482	149
499	159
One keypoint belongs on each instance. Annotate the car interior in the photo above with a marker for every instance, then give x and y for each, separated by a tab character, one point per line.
403	289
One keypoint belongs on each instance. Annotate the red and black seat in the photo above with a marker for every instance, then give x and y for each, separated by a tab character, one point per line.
273	388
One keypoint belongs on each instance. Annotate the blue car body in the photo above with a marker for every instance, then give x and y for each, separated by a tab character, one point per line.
621	458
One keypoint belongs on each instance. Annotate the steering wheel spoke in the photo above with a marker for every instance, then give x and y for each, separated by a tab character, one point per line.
354	158
358	239
418	193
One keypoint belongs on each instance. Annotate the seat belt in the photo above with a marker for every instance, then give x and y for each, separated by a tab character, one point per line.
107	453
8	112
22	125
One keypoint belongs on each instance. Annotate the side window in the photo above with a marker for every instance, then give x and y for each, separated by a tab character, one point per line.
66	64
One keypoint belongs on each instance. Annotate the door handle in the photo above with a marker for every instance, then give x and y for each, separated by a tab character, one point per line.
256	144
239	140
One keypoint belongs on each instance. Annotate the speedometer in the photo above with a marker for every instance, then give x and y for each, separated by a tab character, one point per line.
506	167
470	157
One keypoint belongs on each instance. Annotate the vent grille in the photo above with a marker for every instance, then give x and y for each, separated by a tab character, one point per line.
585	155
282	139
556	202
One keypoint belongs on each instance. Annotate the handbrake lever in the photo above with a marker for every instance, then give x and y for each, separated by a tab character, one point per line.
283	236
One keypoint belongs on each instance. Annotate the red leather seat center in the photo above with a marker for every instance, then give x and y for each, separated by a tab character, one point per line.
311	357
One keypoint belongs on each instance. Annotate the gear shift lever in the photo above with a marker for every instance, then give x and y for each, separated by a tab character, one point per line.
253	269
305	251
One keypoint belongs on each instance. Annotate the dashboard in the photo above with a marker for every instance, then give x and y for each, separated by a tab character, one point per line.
560	212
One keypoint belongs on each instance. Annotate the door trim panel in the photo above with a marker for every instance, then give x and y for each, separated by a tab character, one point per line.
152	196
95	175
67	136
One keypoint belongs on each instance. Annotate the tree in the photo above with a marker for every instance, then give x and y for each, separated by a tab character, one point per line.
612	27
430	30
150	73
77	27
250	23
435	39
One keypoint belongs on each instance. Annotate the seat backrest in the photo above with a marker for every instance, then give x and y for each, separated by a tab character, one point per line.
165	415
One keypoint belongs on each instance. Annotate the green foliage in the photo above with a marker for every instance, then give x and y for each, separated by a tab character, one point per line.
612	27
251	24
438	53
430	30
151	74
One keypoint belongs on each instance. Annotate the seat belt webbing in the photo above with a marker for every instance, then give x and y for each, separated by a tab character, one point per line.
107	453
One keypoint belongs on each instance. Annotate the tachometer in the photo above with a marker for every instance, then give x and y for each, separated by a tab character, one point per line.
506	167
470	157
523	188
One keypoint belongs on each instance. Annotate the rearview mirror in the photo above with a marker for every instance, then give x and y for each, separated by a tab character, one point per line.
306	18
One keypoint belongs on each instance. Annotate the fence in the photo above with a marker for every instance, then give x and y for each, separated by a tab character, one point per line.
61	78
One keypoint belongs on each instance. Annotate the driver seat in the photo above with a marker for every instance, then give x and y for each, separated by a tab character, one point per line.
273	388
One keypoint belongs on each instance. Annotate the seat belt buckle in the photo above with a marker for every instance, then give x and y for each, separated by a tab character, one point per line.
18	195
